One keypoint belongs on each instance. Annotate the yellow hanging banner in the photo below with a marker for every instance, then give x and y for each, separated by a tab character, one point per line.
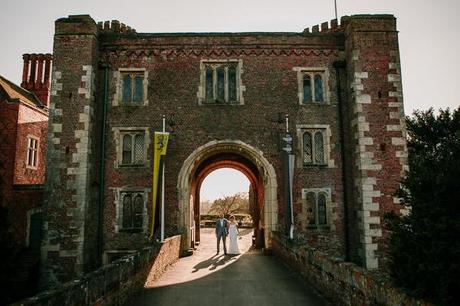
160	144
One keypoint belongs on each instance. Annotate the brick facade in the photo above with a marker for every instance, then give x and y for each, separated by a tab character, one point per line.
359	113
23	134
22	116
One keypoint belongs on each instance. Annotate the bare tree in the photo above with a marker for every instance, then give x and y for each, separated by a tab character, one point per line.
227	205
205	207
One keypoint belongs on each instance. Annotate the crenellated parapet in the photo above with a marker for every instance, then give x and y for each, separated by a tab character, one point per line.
332	26
114	26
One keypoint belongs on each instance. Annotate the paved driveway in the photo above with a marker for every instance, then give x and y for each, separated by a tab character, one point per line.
220	280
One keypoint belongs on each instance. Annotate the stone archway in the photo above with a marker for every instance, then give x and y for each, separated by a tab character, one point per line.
232	154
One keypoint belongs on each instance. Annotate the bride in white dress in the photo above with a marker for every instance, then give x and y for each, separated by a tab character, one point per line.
233	233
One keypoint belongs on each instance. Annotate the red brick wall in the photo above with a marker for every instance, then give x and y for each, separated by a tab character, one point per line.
31	122
24	201
16	122
271	88
377	130
8	131
71	174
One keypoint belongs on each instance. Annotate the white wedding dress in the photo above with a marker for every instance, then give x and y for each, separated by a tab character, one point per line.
233	234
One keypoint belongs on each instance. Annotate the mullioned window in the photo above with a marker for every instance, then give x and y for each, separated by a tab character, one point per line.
131	86
312	85
32	152
316	208
220	82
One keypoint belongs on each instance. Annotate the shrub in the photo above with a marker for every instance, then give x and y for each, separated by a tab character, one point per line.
425	245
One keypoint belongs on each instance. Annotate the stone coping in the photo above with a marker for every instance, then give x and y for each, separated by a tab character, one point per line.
344	283
113	283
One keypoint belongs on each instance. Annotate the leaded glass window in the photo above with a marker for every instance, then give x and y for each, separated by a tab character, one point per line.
127	88
138	148
322	219
312	86
318	88
133	148
132	211
132	90
127	211
311	211
307	96
127	149
221	82
138	92
307	148
209	84
319	148
232	83
138	211
317	201
313	148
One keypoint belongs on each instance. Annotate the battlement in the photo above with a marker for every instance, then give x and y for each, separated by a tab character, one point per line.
325	27
364	21
114	26
84	24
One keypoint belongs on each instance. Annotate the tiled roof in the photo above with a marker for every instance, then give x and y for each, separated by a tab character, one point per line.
14	92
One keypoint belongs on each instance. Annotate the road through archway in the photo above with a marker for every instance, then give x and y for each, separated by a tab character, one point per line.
207	278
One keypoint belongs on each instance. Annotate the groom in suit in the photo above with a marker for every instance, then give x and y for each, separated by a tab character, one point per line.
221	232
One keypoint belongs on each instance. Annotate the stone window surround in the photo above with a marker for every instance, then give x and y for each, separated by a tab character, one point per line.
119	132
317	191
118	221
328	161
117	75
29	149
240	88
324	71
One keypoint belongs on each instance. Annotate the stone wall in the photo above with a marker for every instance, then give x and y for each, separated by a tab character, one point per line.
115	283
344	283
376	131
70	246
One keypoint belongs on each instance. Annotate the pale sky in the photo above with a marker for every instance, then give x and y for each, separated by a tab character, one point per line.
429	31
223	182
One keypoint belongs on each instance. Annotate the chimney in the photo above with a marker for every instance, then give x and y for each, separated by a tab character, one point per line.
36	75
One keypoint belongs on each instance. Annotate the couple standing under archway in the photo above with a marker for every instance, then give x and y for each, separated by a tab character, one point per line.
226	228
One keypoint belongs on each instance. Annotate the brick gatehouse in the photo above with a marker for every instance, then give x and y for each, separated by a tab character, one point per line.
226	98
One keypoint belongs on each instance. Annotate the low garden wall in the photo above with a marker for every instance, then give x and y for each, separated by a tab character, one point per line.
344	283
115	283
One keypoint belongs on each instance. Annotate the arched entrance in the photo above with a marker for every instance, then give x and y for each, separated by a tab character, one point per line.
227	154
